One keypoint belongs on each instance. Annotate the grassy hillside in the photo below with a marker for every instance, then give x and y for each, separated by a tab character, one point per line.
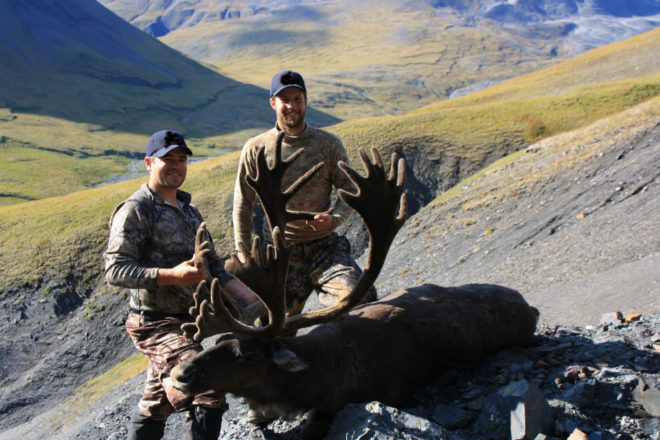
82	90
367	58
483	126
64	236
47	156
78	61
634	58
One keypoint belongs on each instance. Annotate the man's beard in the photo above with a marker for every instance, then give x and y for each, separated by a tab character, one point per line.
295	119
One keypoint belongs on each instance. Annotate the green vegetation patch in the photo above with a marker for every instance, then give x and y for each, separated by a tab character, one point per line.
475	130
67	235
29	172
49	157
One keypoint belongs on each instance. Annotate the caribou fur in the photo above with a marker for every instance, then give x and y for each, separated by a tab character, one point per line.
379	351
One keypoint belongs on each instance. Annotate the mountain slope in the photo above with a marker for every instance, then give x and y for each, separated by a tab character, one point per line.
82	91
78	61
570	222
386	57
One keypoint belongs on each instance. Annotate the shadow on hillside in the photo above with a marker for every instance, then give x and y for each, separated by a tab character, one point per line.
67	61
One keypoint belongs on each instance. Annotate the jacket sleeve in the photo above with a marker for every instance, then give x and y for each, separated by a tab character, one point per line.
244	198
129	231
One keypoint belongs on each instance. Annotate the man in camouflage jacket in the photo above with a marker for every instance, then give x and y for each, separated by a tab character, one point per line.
150	249
320	259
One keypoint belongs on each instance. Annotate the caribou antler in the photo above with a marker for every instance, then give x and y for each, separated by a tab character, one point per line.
267	280
215	311
377	200
268	181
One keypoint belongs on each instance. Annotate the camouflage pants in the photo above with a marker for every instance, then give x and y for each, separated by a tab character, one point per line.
323	265
165	346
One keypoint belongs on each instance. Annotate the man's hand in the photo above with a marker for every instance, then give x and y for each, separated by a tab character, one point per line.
184	274
321	222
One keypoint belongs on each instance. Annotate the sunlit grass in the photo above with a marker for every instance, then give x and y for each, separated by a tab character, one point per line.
472	130
48	157
516	173
67	234
625	60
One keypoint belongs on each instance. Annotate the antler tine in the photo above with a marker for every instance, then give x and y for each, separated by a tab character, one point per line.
372	211
201	247
377	201
214	317
267	279
268	181
202	293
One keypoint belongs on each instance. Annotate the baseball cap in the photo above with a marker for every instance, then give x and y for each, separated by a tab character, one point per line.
164	141
284	79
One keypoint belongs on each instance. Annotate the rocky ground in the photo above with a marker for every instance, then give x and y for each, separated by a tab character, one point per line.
594	382
572	224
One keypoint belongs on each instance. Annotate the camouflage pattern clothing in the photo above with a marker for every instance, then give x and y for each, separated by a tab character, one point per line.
323	265
320	260
146	233
315	196
165	347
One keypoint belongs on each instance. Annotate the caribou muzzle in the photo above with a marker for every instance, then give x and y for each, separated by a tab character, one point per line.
186	378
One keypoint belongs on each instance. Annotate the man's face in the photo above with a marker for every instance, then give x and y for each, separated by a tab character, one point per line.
290	106
167	172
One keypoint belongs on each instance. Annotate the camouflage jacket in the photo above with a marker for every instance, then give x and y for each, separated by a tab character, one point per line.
315	196
146	234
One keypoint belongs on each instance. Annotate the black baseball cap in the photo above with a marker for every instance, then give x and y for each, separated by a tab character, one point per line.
284	79
164	141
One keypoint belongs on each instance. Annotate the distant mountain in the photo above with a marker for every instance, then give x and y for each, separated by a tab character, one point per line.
587	23
78	61
159	18
369	58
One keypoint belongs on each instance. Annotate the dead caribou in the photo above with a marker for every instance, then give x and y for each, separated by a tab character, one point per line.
377	351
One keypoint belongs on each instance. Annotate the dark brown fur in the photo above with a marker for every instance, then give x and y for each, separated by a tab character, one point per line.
379	351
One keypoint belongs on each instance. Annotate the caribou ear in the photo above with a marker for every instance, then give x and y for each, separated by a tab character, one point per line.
288	360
